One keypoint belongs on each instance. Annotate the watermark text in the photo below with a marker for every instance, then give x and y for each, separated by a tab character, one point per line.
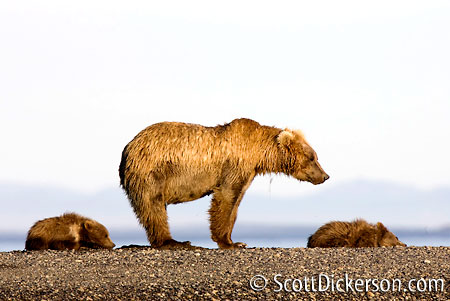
346	284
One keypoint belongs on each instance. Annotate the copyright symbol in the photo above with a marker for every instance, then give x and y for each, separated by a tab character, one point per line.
258	283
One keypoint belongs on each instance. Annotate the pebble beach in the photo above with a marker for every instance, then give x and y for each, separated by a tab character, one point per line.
144	273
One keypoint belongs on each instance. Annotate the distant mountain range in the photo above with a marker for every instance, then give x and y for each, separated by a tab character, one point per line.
399	206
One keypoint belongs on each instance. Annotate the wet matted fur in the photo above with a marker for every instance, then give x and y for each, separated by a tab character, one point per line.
173	162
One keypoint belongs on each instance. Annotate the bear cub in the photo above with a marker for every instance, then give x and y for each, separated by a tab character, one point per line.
68	231
356	234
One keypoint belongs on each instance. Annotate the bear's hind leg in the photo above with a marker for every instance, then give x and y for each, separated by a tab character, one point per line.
156	226
36	243
154	219
149	205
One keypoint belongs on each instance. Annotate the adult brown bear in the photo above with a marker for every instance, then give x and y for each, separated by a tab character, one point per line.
172	162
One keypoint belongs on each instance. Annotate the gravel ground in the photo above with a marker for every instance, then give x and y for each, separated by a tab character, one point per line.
212	274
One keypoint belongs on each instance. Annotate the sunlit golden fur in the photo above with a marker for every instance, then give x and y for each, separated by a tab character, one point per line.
68	231
356	234
172	162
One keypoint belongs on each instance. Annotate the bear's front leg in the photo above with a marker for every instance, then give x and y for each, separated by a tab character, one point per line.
223	213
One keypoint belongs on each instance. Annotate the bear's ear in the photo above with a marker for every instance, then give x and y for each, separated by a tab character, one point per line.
381	227
285	138
381	230
88	225
299	134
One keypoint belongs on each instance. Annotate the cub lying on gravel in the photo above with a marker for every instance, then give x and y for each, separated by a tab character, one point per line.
356	234
68	231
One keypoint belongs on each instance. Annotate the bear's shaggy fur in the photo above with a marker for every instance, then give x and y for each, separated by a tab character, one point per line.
68	231
171	162
356	234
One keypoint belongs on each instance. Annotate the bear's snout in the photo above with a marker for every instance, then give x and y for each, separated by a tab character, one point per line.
321	179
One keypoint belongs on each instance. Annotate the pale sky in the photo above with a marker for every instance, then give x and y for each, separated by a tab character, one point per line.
368	83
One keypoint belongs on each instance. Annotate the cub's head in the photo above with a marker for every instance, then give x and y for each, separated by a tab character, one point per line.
300	160
386	238
96	235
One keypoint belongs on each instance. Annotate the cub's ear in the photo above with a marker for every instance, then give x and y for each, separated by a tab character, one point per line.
381	229
88	225
285	138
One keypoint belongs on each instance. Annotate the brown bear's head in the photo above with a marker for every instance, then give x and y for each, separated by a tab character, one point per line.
95	235
301	159
386	238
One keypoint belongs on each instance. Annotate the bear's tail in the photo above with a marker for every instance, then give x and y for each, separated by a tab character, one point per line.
123	166
308	245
